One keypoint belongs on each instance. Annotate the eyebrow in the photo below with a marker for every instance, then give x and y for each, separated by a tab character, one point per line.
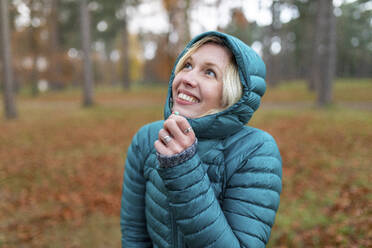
208	64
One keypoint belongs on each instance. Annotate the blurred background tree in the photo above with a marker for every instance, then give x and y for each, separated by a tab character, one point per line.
85	27
9	101
137	41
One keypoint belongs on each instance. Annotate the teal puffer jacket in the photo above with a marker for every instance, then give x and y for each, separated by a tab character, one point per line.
226	195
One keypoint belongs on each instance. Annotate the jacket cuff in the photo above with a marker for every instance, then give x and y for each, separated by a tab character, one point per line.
167	161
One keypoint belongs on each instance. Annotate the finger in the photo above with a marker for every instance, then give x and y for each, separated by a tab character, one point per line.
161	148
184	125
179	132
169	142
165	137
172	127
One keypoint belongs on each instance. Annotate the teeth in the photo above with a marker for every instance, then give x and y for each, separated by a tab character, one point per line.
187	98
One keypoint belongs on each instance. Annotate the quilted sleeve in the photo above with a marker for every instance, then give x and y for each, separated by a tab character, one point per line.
132	213
249	207
252	195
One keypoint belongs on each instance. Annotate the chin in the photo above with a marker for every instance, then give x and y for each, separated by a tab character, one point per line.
185	113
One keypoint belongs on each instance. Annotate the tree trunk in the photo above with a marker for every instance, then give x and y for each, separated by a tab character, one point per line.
273	61
315	42
110	76
88	73
325	52
34	49
55	68
9	101
179	32
126	55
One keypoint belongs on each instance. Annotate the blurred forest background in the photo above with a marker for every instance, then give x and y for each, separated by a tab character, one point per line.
78	78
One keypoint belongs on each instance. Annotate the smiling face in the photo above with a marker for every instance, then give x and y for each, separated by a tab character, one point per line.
197	87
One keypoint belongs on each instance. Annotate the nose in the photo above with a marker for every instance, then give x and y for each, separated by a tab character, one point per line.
189	79
189	83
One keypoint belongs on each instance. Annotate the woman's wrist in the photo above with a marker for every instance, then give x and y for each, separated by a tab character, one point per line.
166	161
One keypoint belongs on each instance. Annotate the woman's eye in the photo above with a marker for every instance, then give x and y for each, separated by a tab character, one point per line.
187	66
210	72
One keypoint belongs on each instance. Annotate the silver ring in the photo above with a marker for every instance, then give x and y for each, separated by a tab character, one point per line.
166	139
187	130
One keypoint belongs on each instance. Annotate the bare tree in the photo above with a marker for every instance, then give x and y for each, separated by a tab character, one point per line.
34	34
55	68
273	60
86	42
126	58
309	27
179	32
325	52
9	101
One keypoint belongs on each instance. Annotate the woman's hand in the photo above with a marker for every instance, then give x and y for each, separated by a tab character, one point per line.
175	136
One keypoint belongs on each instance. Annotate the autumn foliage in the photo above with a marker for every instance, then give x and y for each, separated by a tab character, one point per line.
61	169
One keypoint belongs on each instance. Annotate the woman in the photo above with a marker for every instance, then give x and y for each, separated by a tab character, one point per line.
201	178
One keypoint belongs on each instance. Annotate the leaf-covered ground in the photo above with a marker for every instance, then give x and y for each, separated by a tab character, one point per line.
61	166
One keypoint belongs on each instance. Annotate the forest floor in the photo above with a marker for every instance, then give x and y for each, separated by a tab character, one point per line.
61	165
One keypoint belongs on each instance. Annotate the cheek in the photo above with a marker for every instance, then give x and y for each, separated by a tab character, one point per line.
214	94
175	84
219	94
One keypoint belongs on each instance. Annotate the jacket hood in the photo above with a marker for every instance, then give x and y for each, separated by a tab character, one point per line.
252	73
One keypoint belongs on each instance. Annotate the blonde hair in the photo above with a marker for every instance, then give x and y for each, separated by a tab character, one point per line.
231	85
